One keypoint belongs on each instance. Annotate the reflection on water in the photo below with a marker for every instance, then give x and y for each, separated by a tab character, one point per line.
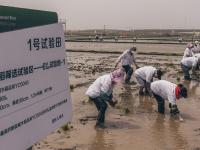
145	104
166	134
127	100
178	141
133	103
100	143
159	132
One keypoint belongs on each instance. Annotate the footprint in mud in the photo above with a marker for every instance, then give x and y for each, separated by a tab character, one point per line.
121	125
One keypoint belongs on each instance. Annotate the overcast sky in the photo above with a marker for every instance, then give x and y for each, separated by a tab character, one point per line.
120	14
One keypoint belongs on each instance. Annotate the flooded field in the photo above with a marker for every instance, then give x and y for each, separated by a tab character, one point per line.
134	123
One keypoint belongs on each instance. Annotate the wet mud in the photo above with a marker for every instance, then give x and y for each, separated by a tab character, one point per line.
134	123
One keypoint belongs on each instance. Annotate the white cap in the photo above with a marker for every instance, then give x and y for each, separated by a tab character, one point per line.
196	42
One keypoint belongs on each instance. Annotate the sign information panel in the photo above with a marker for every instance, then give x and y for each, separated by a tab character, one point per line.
34	85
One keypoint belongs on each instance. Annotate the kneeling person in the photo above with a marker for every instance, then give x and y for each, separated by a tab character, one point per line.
100	92
144	77
165	90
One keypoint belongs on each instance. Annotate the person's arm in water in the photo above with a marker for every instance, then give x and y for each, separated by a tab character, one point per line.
108	98
135	64
148	88
134	61
174	111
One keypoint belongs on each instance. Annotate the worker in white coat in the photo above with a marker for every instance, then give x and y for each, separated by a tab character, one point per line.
100	92
127	59
189	50
196	48
189	63
165	90
197	55
144	77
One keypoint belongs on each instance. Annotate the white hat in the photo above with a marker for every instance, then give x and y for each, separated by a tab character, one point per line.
196	42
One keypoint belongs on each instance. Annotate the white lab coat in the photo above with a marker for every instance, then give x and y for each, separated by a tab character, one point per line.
103	84
146	73
188	53
126	58
196	49
165	89
190	62
197	55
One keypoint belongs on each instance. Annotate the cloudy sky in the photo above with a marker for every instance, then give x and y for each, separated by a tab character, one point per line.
120	14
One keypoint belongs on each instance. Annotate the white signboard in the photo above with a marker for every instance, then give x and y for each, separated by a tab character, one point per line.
34	86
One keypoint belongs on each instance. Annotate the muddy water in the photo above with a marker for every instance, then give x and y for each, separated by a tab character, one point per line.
141	127
134	123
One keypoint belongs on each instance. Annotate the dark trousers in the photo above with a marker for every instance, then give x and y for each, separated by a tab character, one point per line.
161	103
129	72
101	106
186	72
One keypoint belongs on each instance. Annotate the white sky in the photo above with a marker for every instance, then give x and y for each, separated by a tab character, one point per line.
120	14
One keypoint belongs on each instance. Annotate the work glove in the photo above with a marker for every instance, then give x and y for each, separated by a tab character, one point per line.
173	109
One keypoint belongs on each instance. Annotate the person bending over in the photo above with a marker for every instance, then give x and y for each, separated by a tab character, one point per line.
100	92
164	90
144	77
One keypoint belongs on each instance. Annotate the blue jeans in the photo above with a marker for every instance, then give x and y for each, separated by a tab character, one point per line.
129	72
186	72
161	103
101	106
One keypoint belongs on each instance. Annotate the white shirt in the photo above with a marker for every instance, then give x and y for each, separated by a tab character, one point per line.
196	49
197	55
190	61
126	58
165	89
188	53
146	73
103	84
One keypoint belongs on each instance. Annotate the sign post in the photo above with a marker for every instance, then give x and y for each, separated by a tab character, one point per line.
34	85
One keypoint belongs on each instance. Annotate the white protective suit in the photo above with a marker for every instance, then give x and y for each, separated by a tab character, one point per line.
165	89
103	84
146	73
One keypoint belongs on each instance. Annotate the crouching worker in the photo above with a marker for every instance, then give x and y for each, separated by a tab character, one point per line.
100	92
165	90
189	63
144	77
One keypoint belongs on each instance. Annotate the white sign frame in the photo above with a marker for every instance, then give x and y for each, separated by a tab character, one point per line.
34	85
